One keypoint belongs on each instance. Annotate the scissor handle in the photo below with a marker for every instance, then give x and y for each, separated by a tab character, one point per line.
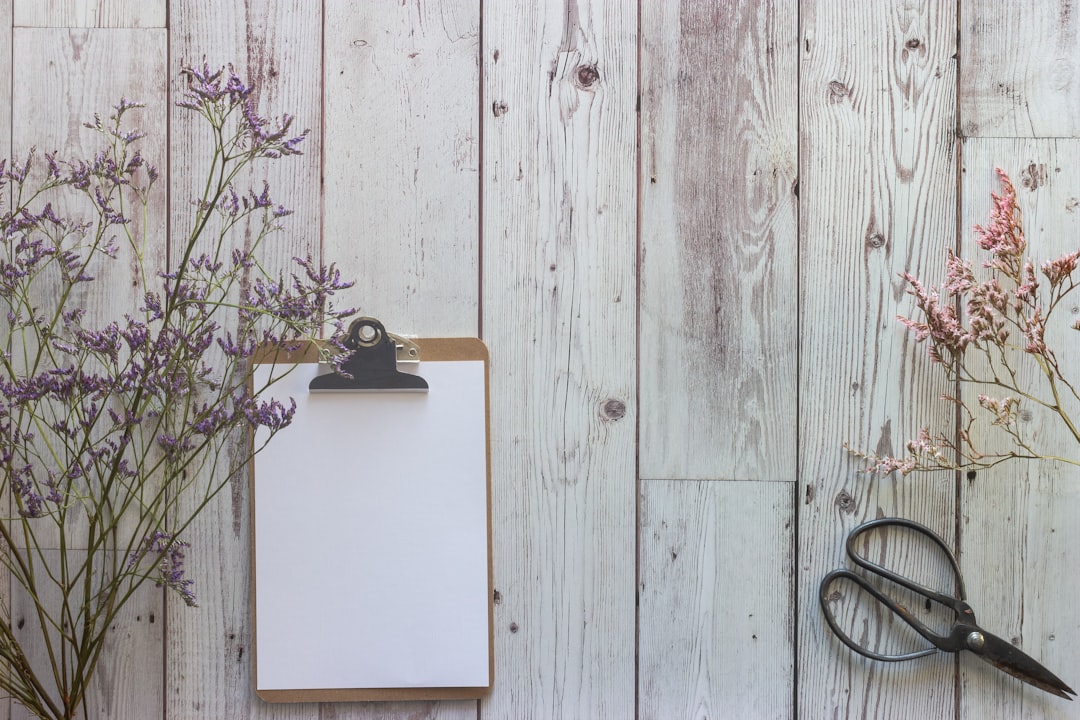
885	600
955	601
952	642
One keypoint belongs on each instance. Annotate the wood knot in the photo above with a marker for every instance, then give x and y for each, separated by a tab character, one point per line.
499	108
614	409
913	44
838	91
587	76
875	241
844	502
513	627
1033	176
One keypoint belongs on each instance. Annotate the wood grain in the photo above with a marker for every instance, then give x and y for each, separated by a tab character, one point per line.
80	72
558	299
402	141
1020	535
488	182
716	574
6	109
6	80
277	46
876	197
401	212
718	239
90	13
127	682
1021	69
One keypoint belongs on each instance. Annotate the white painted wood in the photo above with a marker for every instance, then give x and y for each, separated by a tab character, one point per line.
716	609
277	45
402	156
559	179
6	110
401	213
80	72
1020	534
718	239
127	682
90	13
553	290
876	197
1020	69
5	78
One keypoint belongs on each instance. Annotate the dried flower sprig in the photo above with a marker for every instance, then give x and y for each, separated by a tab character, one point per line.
978	330
115	434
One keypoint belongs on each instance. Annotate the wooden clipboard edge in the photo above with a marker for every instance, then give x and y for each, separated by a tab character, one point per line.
431	350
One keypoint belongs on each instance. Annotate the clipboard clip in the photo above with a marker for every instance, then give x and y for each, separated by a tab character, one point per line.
372	363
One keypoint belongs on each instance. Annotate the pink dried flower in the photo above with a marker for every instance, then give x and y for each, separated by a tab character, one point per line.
941	324
1035	333
1004	411
1025	293
1057	271
986	307
1004	236
1015	299
959	279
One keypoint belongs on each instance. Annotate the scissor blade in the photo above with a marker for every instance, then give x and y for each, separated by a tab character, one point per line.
1007	657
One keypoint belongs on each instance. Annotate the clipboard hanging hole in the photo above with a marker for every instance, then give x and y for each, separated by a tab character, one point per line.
364	332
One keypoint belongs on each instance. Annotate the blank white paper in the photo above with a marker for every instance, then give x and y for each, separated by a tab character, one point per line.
371	538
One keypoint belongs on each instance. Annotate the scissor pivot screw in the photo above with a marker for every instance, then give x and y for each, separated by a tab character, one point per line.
975	640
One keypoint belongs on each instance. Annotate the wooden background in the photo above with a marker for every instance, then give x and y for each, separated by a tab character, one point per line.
678	227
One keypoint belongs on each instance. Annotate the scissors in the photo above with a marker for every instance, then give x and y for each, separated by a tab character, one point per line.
965	633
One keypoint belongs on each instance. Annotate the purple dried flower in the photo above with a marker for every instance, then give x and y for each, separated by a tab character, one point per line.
270	414
170	554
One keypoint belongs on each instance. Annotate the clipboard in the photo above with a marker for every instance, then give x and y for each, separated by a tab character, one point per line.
371	530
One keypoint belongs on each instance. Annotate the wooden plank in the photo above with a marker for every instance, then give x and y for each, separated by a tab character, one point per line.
402	191
877	196
1021	69
718	237
6	79
276	46
1021	520
716	602
90	13
5	153
78	73
559	265
402	160
127	683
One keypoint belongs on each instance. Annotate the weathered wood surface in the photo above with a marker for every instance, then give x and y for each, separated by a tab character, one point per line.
1021	69
277	45
79	72
90	13
718	240
402	138
1018	521
876	197
715	591
402	152
6	107
678	226
558	313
